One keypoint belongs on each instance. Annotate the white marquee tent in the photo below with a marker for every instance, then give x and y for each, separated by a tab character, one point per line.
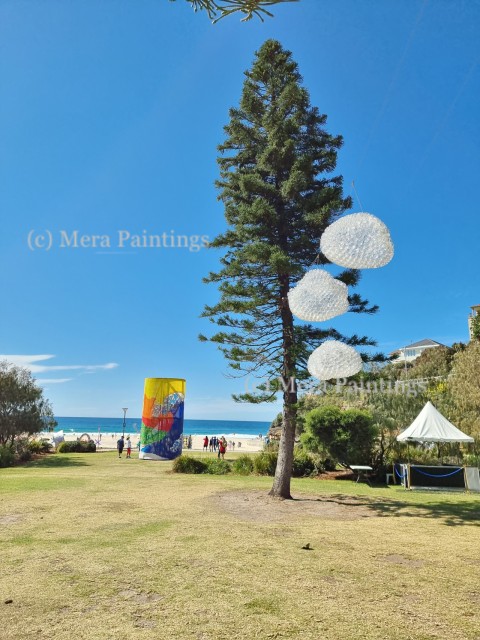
431	426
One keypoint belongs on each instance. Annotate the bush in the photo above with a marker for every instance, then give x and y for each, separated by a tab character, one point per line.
35	446
265	463
471	460
243	465
340	435
7	456
187	464
217	467
305	464
273	445
40	446
77	447
21	449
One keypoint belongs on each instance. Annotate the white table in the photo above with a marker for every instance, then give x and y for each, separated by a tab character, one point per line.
362	472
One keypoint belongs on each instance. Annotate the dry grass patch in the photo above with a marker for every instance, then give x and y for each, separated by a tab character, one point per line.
120	549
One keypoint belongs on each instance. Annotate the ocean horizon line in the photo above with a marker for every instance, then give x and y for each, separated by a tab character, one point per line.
140	419
191	426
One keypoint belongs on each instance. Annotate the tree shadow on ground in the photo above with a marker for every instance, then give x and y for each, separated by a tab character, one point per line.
466	512
55	461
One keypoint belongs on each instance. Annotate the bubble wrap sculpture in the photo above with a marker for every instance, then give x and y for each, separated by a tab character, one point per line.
334	359
357	241
318	296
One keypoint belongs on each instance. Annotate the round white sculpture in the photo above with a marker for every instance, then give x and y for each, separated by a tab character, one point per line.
318	297
357	241
334	359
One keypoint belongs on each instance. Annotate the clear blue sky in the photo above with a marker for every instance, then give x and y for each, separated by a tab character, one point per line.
110	113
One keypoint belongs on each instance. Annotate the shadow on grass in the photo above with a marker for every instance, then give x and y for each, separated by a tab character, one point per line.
466	512
55	461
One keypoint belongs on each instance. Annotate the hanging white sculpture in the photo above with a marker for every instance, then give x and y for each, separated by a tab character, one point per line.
334	359
318	296
357	241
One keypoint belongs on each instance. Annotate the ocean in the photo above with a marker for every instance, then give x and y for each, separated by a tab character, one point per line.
243	428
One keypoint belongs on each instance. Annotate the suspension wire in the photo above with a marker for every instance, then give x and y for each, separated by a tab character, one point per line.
384	105
356	195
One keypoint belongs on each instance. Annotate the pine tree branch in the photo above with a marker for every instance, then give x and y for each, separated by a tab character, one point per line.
218	9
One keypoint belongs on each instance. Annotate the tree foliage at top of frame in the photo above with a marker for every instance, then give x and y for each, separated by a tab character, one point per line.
217	9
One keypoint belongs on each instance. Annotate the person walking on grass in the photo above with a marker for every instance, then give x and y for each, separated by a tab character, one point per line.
120	445
129	447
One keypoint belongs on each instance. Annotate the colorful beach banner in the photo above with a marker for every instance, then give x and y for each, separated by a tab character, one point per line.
162	419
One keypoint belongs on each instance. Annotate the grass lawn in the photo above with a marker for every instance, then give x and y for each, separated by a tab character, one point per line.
93	547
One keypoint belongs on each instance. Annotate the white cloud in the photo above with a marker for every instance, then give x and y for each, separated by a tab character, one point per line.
43	381
30	363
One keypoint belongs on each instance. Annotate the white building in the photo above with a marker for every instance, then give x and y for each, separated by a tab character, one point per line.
475	312
412	351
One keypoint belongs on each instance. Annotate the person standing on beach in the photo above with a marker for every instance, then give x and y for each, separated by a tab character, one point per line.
120	445
205	443
129	447
221	449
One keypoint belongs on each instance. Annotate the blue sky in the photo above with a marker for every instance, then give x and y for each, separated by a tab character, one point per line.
110	113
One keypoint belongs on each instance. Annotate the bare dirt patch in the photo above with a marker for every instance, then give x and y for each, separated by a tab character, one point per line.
258	506
140	598
395	558
11	518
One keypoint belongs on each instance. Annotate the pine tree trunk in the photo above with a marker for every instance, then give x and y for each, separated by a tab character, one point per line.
283	471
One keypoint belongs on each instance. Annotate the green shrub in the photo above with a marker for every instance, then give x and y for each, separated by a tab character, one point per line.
273	445
217	466
264	463
47	446
21	450
40	446
341	435
306	464
187	464
243	465
35	446
419	455
471	460
7	456
77	447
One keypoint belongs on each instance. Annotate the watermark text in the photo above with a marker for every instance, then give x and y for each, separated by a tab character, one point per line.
121	239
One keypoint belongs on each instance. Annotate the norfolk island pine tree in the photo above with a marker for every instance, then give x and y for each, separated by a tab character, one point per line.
279	195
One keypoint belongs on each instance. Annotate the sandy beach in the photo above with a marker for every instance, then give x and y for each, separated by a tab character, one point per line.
108	441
